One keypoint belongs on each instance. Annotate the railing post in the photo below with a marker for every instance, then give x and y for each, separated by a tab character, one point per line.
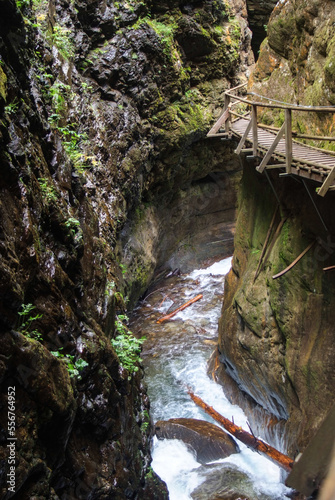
226	106
288	139
254	129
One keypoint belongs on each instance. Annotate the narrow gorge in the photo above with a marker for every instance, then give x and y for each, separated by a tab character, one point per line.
108	183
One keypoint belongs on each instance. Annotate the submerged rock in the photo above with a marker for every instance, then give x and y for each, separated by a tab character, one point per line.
226	482
208	441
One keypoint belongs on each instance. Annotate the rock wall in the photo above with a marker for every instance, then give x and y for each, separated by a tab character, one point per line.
258	17
296	64
276	336
104	108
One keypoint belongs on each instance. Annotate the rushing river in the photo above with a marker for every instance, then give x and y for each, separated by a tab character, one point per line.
175	354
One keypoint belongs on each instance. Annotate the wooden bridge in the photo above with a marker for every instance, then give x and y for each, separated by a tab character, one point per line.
275	147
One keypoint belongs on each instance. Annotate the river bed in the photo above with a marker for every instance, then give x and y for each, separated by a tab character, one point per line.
175	355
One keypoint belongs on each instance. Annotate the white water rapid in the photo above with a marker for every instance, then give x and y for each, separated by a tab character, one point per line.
175	355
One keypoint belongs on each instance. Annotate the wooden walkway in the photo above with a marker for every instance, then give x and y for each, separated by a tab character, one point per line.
276	148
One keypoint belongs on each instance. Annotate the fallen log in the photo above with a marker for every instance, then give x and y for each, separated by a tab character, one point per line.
248	439
181	308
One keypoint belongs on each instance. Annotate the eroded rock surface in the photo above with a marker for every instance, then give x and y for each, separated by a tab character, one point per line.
208	441
296	64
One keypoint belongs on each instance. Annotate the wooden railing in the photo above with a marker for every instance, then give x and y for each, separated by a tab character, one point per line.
251	108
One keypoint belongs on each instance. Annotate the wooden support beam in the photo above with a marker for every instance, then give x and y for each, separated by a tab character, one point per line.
313	465
330	268
271	245
270	152
219	134
266	242
227	108
288	139
238	150
216	127
327	183
279	165
294	262
254	129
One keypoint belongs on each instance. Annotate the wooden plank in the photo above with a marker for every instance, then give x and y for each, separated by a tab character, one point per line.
288	268
242	141
268	155
219	123
288	139
327	183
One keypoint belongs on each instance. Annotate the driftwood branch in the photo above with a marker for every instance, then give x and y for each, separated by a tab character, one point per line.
181	308
266	242
294	262
330	268
248	439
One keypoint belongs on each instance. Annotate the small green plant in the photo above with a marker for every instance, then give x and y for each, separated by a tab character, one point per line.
48	191
73	225
27	320
60	37
145	421
127	347
74	367
123	268
86	87
12	107
144	426
110	285
73	144
22	3
58	93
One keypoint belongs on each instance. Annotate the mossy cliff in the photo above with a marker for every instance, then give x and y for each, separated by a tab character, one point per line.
104	109
276	336
296	64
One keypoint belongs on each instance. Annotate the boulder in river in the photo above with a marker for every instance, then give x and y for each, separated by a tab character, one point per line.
208	441
227	482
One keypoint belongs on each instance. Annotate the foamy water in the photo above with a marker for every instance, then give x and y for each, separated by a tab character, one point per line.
180	360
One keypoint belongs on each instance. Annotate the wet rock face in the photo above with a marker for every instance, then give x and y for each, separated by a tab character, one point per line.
208	441
102	111
258	16
276	336
295	63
